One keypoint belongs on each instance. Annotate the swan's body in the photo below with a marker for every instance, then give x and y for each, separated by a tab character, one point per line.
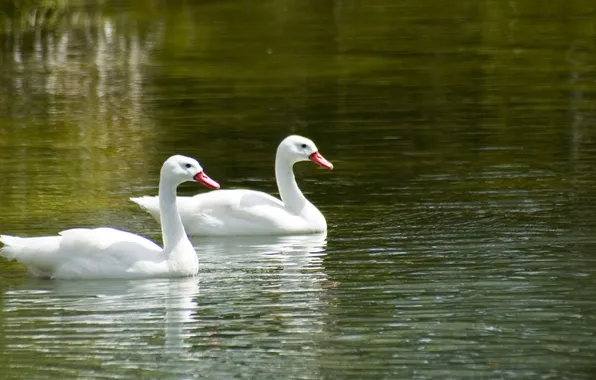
243	212
82	253
249	212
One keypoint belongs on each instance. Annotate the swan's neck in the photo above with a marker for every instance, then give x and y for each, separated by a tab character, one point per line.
172	230
181	256
290	194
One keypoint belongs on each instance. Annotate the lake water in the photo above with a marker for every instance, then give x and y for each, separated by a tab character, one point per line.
461	210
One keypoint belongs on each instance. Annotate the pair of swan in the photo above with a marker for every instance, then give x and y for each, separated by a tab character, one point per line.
249	212
101	253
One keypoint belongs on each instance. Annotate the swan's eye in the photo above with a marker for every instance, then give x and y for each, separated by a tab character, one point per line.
188	166
303	146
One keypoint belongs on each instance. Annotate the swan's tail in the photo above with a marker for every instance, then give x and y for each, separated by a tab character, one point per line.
27	249
38	253
149	204
12	246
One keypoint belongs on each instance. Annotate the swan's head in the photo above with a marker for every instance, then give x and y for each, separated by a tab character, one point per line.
181	169
297	148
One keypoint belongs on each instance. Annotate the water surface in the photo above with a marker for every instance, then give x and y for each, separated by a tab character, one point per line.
461	210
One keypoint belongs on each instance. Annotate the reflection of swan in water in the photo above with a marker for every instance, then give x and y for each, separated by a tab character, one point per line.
115	321
264	295
279	278
140	302
181	308
267	296
291	252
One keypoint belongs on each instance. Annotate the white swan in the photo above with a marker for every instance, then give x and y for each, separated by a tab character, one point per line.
249	212
101	253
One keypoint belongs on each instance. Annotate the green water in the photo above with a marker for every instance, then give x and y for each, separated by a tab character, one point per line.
461	210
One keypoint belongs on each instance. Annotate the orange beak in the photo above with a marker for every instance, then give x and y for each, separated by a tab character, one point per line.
205	180
320	160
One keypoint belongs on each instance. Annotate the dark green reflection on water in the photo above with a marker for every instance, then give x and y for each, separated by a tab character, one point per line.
461	207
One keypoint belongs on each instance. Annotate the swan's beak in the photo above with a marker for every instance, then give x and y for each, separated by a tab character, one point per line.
205	180
318	159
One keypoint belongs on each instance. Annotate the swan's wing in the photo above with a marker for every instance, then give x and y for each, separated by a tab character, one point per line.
232	211
230	200
109	241
83	252
225	212
106	252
